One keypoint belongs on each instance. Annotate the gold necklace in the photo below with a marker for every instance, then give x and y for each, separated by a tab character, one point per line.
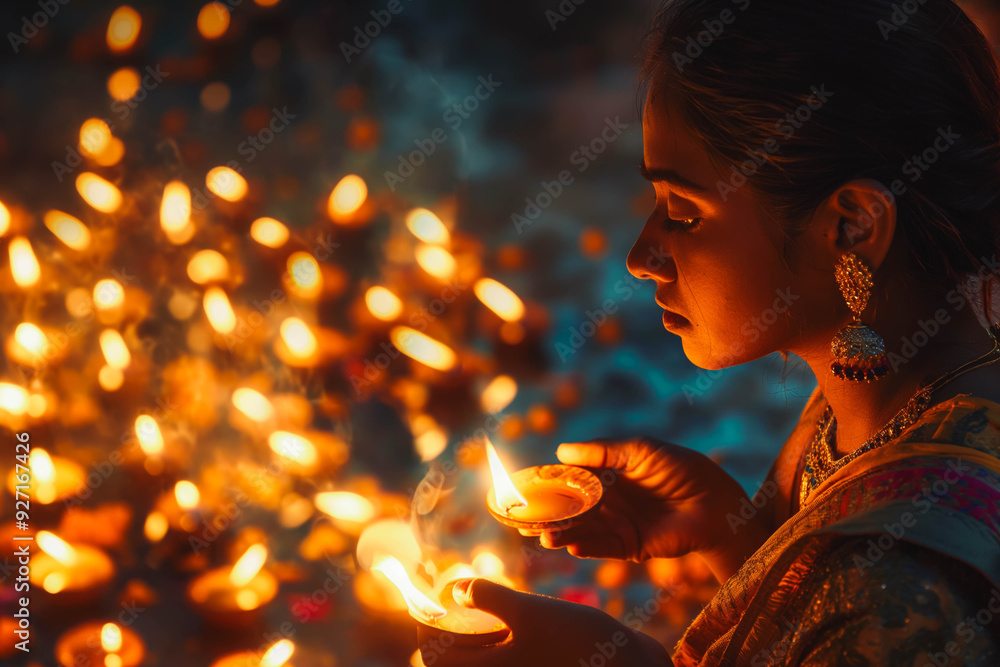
821	461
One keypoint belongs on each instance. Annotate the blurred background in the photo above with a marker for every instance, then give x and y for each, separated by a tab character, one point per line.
217	218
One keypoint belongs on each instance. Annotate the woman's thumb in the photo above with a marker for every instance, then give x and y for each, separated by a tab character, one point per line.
489	596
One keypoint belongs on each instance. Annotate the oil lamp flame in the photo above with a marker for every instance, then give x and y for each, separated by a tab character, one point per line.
108	294
436	261
175	212
427	227
507	494
383	304
207	266
421	605
219	311
303	269
149	435
13	399
347	197
345	505
115	350
30	337
423	348
500	299
269	232
294	447
111	638
23	263
299	338
278	654
253	404
98	192
41	466
226	182
187	495
248	565
56	547
68	229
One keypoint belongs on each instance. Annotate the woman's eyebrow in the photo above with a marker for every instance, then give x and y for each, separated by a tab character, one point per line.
669	176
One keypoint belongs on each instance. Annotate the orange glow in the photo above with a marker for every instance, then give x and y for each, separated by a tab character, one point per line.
13	399
56	547
267	3
95	137
123	29
98	192
269	232
149	435
383	304
115	350
31	338
124	84
487	564
213	20
294	447
156	526
346	506
427	227
110	378
23	263
498	394
299	338
429	439
506	494
278	654
111	638
248	566
4	219
423	348
219	311
303	269
108	294
207	266
500	299
419	604
226	183
435	260
42	468
347	197
68	229
187	495
253	404
175	213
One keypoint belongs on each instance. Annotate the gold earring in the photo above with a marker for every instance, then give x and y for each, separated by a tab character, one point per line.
859	352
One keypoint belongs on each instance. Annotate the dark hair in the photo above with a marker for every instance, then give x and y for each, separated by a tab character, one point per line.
899	71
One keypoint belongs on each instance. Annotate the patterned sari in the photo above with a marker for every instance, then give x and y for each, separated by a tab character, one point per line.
887	562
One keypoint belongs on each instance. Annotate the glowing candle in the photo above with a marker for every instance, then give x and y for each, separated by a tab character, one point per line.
219	311
346	198
68	229
115	350
500	299
100	644
423	348
108	294
206	266
213	20
76	573
298	338
383	304
304	275
498	394
350	511
225	182
269	232
298	454
123	29
50	479
124	83
436	261
23	263
13	399
253	404
175	213
233	596
98	192
277	655
427	227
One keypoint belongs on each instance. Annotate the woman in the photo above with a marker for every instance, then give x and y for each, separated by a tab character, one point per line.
843	158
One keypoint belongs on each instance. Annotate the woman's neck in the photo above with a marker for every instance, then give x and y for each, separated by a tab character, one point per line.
919	353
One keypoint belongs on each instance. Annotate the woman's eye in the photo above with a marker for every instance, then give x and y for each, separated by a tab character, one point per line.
685	225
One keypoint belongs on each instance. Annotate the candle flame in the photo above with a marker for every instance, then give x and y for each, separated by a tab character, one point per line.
95	137
219	311
507	495
30	337
115	351
305	275
226	182
253	404
248	565
108	294
299	338
98	192
423	348
68	229
175	213
498	394
278	654
427	227
23	263
500	299
187	495
213	20
123	29
347	197
421	605
124	84
383	304
206	266
56	547
294	447
150	437
435	260
111	638
13	399
41	466
346	506
269	232
156	526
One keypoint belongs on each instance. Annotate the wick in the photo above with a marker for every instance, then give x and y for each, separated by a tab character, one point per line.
508	508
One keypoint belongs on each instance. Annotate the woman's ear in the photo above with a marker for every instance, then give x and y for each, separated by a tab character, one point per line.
860	217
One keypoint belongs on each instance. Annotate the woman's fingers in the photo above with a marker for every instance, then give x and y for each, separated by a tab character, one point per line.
595	540
599	453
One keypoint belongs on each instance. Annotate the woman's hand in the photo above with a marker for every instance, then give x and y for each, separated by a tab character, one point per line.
660	501
545	632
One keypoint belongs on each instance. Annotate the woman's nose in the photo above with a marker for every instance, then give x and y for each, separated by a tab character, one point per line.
648	260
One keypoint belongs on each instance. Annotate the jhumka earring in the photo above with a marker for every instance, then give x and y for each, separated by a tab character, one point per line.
859	352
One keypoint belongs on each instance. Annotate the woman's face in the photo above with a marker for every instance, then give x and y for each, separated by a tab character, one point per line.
722	280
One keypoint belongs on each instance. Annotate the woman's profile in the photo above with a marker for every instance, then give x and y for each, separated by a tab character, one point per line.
836	165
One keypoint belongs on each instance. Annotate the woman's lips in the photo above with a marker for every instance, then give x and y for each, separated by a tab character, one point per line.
673	321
